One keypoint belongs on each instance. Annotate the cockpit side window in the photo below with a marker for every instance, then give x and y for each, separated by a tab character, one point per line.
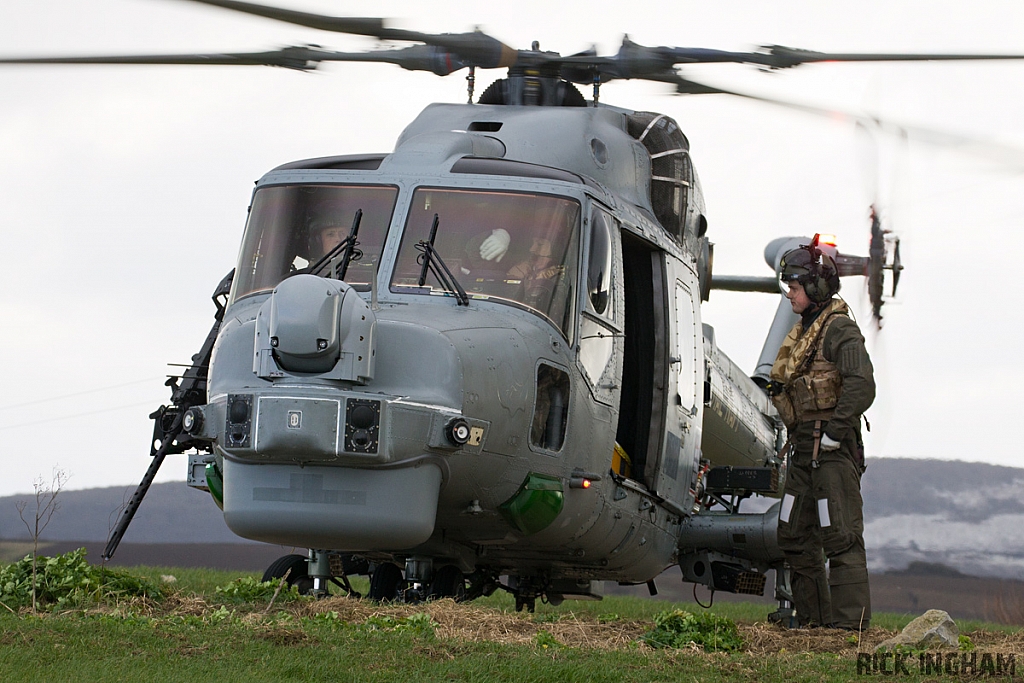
291	227
510	247
599	263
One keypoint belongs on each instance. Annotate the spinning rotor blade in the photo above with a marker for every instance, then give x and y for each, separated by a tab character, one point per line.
988	150
634	60
897	267
300	58
883	255
782	57
443	53
473	49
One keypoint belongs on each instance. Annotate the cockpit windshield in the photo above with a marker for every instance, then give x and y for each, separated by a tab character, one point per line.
512	247
291	227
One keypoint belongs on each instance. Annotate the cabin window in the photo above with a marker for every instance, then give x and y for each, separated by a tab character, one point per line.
510	247
599	264
599	328
686	347
551	408
291	227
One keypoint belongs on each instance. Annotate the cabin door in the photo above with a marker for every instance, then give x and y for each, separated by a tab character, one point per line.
644	369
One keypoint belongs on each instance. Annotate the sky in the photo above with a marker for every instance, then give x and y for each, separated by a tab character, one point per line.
123	193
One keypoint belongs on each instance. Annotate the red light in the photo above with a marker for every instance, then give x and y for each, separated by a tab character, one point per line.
830	240
586	483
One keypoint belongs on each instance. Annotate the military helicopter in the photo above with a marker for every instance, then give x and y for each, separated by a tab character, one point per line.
481	355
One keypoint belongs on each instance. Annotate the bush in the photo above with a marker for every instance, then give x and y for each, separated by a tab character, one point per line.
69	579
679	629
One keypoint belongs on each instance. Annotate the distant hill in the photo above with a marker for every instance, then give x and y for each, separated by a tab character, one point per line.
170	513
966	516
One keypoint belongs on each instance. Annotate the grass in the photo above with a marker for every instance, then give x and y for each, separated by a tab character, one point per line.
193	581
196	635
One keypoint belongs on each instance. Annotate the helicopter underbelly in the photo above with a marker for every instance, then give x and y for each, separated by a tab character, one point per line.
618	540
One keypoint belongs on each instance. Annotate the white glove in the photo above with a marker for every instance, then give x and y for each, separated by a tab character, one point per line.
495	247
828	443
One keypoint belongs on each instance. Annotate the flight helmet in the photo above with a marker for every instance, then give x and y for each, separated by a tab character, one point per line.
812	268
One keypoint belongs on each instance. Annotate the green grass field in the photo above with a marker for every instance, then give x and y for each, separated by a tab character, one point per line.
197	634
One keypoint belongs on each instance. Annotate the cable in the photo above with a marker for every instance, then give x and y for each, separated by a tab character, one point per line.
80	393
69	417
697	600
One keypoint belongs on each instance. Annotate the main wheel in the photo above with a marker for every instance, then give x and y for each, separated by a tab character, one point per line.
299	575
529	604
448	582
384	582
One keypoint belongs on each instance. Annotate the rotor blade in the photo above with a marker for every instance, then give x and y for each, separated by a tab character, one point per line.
360	26
475	49
987	150
415	58
634	60
782	57
897	267
301	58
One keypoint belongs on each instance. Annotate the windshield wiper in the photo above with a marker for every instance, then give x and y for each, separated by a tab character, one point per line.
432	261
348	245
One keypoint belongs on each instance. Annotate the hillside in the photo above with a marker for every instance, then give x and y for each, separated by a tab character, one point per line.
969	516
170	513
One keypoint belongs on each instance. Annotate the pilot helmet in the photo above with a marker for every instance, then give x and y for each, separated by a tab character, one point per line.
813	269
328	226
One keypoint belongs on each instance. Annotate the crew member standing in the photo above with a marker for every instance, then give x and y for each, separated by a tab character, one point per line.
822	382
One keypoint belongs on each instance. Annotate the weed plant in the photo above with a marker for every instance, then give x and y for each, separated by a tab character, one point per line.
67	580
251	589
680	629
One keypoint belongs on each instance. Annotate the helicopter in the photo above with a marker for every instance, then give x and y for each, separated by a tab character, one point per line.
447	425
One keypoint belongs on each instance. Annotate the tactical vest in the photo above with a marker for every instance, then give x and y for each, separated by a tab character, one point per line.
812	384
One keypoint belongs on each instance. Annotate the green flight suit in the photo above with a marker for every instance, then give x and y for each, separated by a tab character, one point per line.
821	514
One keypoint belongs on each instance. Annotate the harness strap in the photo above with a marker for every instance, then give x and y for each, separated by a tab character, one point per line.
817	444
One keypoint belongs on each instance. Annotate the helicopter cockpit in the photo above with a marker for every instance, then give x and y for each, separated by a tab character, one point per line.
511	247
291	227
516	248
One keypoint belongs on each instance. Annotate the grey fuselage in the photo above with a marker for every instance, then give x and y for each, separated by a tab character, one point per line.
332	405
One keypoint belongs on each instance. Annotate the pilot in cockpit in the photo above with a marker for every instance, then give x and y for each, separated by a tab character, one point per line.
325	233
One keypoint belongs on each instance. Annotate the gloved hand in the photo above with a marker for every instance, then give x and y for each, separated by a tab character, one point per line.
495	246
828	443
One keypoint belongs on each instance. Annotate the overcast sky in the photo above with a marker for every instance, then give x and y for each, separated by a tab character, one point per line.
123	192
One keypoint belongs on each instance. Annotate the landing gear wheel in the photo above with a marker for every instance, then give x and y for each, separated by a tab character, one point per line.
298	576
528	603
384	582
448	582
